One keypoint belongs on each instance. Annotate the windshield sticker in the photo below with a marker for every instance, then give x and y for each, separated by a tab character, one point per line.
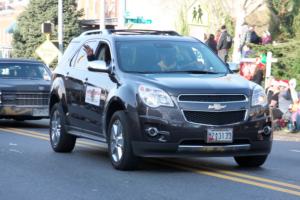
92	95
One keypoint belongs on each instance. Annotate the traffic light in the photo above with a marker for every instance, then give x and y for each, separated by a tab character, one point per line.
47	27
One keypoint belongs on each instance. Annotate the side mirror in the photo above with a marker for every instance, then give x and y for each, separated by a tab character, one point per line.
235	67
98	66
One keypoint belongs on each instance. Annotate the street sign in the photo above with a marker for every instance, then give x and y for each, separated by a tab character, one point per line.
47	52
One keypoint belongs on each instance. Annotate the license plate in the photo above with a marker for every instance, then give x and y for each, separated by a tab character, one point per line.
40	112
219	135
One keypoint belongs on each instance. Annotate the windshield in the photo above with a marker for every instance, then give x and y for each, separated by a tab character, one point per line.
167	57
23	71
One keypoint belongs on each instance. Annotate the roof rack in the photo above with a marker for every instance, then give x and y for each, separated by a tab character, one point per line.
130	32
141	32
92	32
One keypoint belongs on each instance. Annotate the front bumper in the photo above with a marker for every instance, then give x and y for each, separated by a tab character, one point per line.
147	149
12	111
182	138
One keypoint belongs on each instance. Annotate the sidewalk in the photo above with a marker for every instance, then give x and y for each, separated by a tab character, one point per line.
283	136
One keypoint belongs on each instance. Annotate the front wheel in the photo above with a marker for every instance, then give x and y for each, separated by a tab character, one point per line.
119	143
60	140
250	161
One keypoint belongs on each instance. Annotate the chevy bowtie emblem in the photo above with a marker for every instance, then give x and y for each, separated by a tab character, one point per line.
217	106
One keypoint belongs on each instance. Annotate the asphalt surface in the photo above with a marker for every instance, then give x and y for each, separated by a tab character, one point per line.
30	170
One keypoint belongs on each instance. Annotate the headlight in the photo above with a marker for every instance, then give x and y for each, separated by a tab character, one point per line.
259	98
154	97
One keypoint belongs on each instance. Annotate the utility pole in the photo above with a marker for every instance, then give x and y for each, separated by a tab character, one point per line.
121	15
102	15
240	18
60	28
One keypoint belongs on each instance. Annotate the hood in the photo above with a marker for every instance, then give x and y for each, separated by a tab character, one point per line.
176	84
24	85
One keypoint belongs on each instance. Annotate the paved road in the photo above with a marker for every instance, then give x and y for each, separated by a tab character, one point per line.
29	169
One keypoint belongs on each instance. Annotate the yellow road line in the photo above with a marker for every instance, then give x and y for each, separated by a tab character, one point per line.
234	179
297	187
41	134
23	133
251	177
204	171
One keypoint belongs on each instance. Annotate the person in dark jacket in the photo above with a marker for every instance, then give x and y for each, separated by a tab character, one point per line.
211	43
224	44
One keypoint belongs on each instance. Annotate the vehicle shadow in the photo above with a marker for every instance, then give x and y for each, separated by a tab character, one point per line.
169	165
44	123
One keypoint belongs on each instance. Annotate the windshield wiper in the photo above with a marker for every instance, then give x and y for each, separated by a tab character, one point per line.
194	72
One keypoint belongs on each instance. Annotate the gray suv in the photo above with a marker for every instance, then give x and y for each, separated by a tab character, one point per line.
153	93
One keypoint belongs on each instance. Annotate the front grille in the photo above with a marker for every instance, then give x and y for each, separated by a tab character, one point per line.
212	98
215	118
25	98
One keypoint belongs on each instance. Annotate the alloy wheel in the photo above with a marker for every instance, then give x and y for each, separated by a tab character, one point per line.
116	141
55	128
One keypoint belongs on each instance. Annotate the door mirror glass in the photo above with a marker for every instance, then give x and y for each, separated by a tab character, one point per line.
98	66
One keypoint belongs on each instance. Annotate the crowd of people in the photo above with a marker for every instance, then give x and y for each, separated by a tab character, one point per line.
283	99
221	43
284	102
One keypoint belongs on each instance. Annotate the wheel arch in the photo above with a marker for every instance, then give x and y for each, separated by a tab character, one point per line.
116	104
58	94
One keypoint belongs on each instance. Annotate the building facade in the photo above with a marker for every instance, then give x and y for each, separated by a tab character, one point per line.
9	11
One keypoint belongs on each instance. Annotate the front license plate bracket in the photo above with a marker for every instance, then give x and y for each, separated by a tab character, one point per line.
219	135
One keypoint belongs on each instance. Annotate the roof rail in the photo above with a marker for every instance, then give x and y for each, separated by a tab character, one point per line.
92	32
141	31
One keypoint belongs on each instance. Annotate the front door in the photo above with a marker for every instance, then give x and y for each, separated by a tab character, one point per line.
96	90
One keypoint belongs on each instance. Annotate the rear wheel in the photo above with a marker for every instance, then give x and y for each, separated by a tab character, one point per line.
119	143
250	161
60	140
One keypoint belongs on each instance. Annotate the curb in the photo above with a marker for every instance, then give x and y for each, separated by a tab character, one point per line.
283	136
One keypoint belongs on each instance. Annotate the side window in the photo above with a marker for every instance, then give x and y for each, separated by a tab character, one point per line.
81	60
104	53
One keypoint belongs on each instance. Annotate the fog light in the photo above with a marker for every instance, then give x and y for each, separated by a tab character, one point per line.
267	130
152	131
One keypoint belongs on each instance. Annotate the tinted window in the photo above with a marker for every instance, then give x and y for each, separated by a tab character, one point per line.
167	56
23	71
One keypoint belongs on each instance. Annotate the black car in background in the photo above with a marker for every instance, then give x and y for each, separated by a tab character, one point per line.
24	89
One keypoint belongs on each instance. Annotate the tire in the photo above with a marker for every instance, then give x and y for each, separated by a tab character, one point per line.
251	161
119	143
60	140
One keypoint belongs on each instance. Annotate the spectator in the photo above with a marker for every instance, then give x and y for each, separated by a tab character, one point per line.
252	37
211	43
258	76
273	100
296	116
247	51
287	117
243	35
266	38
224	44
218	34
